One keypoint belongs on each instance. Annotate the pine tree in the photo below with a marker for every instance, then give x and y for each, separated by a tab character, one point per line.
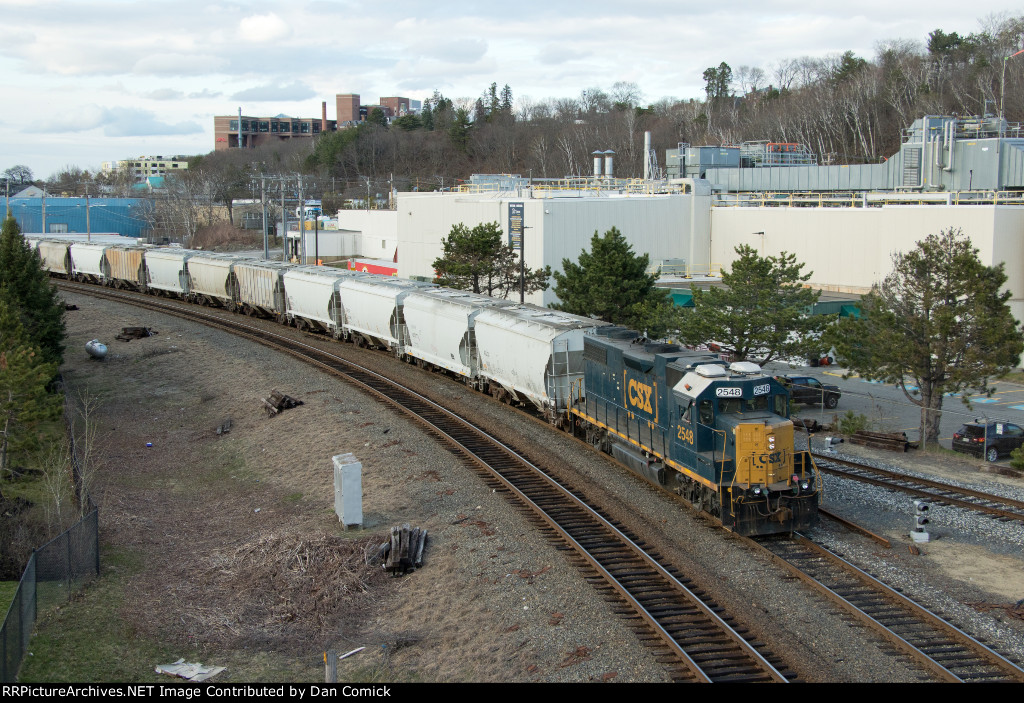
938	324
611	283
761	311
30	292
24	376
479	260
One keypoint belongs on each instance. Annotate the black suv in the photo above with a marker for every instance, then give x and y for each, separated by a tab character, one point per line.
1002	438
809	390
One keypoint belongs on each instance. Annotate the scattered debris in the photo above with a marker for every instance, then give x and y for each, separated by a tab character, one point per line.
556	619
914	550
130	333
578	655
189	670
404	551
609	676
809	424
69	306
279	401
224	427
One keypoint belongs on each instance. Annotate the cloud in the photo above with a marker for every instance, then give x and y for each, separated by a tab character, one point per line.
178	64
462	52
116	122
270	92
263	28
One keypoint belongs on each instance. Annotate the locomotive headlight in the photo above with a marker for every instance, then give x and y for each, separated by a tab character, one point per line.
804	485
756	490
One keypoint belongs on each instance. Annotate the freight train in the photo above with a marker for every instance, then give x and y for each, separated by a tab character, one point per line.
718	434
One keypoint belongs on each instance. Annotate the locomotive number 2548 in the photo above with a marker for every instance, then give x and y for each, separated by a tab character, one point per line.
685	435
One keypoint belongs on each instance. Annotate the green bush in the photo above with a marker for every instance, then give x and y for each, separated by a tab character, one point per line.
1017	458
852	422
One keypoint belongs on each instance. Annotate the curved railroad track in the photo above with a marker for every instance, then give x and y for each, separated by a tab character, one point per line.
933	643
690	633
998	507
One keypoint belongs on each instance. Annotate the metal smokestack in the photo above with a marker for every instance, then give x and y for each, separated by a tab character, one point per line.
323	119
597	163
647	156
608	163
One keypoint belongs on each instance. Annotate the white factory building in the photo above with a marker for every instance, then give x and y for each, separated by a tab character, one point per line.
847	247
846	239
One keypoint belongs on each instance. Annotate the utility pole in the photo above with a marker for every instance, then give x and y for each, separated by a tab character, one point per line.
284	227
263	202
302	223
88	226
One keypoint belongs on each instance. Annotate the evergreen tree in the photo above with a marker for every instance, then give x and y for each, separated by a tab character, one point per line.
938	324
29	291
611	283
479	260
24	375
761	310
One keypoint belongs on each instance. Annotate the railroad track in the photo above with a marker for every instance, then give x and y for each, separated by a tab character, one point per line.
997	507
688	631
938	646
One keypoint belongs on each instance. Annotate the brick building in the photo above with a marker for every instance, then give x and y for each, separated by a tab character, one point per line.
233	131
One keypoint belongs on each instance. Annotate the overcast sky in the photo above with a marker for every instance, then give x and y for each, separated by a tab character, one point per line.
85	82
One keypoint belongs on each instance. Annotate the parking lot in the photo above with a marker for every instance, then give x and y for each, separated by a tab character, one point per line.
888	410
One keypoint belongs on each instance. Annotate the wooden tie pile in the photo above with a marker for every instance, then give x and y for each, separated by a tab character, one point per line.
893	441
279	401
405	550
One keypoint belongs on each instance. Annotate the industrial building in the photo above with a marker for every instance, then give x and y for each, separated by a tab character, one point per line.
844	223
121	216
937	154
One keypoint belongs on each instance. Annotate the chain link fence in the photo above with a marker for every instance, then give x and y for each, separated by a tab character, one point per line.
54	573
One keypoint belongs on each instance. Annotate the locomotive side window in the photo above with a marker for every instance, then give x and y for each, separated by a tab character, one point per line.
688	412
782	405
707	412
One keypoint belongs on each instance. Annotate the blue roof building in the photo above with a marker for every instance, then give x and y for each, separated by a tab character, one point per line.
123	216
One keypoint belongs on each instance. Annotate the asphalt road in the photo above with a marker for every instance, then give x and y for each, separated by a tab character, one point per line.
888	409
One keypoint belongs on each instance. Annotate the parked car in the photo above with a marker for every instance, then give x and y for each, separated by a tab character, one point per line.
1000	439
808	390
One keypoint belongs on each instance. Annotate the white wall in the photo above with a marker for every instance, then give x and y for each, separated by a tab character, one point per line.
849	249
556	228
376	232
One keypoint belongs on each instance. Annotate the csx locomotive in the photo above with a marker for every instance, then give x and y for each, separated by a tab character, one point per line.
719	434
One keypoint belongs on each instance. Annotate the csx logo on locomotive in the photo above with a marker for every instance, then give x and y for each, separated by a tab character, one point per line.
640	395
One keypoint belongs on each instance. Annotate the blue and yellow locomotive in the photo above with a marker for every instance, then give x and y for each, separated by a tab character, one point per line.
718	434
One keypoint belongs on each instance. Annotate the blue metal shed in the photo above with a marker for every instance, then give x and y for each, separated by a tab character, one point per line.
124	216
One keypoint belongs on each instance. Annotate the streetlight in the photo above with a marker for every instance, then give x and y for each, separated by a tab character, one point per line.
999	145
762	241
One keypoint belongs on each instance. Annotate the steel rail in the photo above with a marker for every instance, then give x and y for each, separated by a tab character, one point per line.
686	616
935	490
939	646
